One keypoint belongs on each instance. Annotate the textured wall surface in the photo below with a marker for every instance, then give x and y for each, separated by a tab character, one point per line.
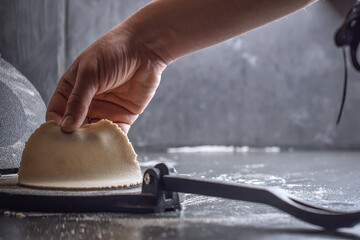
31	36
277	85
88	20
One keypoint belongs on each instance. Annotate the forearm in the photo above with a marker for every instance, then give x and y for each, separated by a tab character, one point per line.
174	28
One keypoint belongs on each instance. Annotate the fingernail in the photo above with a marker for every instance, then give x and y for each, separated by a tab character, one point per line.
68	120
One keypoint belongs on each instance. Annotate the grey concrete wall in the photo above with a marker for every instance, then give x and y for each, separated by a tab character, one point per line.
31	39
277	85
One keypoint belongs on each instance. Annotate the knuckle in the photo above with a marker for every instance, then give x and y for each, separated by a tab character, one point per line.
90	66
64	86
90	71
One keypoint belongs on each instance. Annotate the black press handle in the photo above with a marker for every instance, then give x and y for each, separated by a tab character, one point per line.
273	197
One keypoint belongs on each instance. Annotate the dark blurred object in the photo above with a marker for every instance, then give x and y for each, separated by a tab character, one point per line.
22	110
349	33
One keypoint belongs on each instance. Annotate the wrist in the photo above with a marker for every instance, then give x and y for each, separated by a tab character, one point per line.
149	36
148	45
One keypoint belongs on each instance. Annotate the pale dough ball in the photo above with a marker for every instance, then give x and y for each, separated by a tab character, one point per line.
97	155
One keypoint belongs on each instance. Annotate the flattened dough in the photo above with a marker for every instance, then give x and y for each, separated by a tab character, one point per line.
97	155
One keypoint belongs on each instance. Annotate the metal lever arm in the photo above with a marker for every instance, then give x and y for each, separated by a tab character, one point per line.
275	198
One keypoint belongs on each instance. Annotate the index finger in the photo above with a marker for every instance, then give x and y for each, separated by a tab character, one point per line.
57	105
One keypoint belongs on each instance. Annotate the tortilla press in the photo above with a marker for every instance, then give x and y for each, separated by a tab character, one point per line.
159	192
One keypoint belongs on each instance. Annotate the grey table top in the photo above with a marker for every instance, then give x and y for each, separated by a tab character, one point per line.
326	178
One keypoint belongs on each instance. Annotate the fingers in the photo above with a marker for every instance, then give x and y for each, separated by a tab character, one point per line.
123	126
77	106
57	105
117	113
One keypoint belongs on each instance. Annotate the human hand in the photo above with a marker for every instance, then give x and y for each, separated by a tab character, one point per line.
115	78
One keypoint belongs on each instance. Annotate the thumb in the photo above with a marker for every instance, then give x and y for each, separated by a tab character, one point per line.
79	100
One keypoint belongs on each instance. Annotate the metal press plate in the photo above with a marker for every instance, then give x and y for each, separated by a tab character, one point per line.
9	185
